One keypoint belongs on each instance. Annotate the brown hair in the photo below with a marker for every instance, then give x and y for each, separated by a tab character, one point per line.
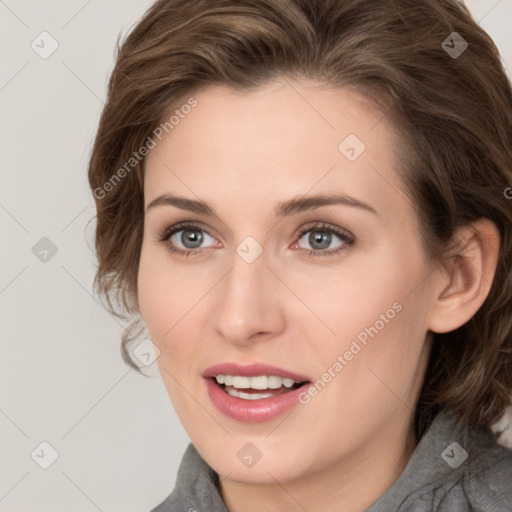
453	113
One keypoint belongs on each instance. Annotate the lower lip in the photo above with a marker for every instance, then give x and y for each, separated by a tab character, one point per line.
252	411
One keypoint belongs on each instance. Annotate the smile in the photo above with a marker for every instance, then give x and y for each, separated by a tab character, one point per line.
253	393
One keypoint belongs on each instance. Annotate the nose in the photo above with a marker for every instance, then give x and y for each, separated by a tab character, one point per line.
249	303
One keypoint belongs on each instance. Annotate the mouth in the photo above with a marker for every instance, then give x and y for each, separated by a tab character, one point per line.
257	387
253	393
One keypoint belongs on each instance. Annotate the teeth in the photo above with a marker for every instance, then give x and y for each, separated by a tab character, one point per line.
248	396
260	382
288	383
274	382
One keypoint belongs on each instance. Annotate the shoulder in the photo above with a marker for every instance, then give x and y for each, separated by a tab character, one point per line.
488	478
453	470
477	476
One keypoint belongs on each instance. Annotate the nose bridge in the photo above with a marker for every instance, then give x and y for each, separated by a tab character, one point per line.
247	303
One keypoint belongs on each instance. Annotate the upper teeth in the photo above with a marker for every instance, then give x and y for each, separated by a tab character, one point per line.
259	382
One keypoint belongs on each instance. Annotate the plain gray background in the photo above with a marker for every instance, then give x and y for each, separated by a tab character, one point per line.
62	379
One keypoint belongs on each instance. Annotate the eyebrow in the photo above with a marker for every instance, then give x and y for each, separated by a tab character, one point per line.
290	207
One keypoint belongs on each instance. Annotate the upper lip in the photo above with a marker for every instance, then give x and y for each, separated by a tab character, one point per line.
251	370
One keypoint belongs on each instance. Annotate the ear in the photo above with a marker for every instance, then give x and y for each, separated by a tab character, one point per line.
467	275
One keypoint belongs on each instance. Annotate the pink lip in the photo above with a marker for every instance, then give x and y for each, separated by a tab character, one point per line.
251	411
251	370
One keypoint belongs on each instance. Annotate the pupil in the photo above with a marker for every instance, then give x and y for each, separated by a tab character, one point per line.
192	236
317	236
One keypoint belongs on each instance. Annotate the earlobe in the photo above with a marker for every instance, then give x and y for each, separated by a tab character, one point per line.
468	274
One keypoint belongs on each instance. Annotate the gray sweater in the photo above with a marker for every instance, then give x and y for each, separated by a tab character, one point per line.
447	473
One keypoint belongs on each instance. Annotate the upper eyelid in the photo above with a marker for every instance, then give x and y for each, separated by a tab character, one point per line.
178	226
325	227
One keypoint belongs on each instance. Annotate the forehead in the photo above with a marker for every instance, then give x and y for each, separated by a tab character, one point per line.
280	140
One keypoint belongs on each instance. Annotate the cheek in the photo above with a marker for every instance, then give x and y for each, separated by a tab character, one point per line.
163	309
160	298
151	293
376	315
170	301
353	298
163	290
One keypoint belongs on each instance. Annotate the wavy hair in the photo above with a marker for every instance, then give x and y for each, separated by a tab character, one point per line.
451	107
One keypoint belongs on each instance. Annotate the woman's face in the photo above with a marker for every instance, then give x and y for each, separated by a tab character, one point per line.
293	246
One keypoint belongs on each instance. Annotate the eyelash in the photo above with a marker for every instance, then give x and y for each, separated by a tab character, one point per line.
346	237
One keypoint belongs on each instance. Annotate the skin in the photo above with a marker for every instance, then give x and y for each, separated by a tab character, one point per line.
243	153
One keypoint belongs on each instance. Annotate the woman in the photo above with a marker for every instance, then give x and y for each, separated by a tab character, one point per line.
307	205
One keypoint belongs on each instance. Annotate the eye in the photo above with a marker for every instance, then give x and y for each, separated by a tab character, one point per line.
321	236
186	238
